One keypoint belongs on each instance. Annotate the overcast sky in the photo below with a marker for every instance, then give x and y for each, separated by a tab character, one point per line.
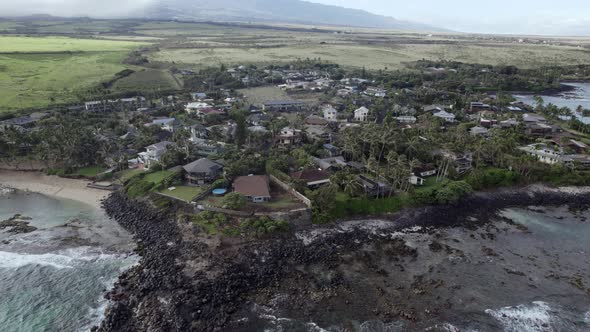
571	17
549	17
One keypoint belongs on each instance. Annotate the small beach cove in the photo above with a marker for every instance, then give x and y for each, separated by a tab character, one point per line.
65	254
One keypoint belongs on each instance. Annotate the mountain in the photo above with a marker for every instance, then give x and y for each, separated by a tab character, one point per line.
276	11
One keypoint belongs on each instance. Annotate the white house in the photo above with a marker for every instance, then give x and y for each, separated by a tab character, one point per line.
544	153
448	117
330	113
361	114
196	107
151	156
416	180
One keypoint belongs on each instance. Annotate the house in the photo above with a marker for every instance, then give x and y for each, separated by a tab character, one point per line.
487	123
375	92
313	178
167	124
533	118
207	147
448	117
283	106
256	188
539	129
193	108
331	150
544	153
289	137
198	95
97	106
151	156
478	131
318	133
578	146
202	171
425	171
463	163
330	113
332	163
361	114
416	180
475	107
406	119
314	120
258	119
197	131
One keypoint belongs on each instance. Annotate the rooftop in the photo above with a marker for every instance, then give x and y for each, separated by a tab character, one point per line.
252	186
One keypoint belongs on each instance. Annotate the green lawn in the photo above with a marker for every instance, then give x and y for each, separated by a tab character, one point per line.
127	174
184	193
37	72
90	172
157	177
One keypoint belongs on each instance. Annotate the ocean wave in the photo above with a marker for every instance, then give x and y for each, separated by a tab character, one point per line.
66	259
587	317
5	191
523	318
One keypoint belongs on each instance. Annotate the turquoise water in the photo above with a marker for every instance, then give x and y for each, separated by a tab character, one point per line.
54	279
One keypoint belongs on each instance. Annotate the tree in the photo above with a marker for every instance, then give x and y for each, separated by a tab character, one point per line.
234	201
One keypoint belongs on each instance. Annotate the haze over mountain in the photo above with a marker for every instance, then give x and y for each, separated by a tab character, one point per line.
287	11
269	11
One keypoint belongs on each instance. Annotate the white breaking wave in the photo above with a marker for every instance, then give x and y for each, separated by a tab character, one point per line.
535	317
66	259
587	318
6	191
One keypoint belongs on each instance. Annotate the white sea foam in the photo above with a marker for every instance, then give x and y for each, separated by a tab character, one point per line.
66	259
6	191
587	317
535	317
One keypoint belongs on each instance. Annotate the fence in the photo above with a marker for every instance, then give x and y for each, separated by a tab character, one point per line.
291	190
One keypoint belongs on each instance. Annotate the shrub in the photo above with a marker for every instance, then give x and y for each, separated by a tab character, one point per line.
234	201
265	225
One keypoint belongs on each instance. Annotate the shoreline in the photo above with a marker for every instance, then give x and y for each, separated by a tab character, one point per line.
53	186
220	286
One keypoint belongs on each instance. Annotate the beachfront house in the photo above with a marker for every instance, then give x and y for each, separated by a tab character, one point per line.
256	188
202	171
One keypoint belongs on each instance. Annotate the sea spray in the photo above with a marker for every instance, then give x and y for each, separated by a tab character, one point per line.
531	317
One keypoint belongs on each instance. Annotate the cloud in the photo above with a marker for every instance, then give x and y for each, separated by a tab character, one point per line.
73	8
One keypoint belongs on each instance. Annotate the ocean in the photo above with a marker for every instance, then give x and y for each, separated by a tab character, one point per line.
580	96
522	270
55	278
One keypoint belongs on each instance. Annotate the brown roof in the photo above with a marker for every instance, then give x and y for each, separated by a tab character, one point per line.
252	186
311	175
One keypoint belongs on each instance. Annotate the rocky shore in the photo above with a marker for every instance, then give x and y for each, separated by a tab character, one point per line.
184	284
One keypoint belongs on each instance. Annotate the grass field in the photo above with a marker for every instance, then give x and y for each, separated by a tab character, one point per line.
36	72
39	71
377	56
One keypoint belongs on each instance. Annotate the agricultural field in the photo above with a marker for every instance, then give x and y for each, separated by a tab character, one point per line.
36	72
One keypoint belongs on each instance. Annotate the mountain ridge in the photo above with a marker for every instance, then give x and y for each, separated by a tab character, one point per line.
277	11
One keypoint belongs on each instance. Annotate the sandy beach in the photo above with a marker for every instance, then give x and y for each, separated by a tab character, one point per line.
53	186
